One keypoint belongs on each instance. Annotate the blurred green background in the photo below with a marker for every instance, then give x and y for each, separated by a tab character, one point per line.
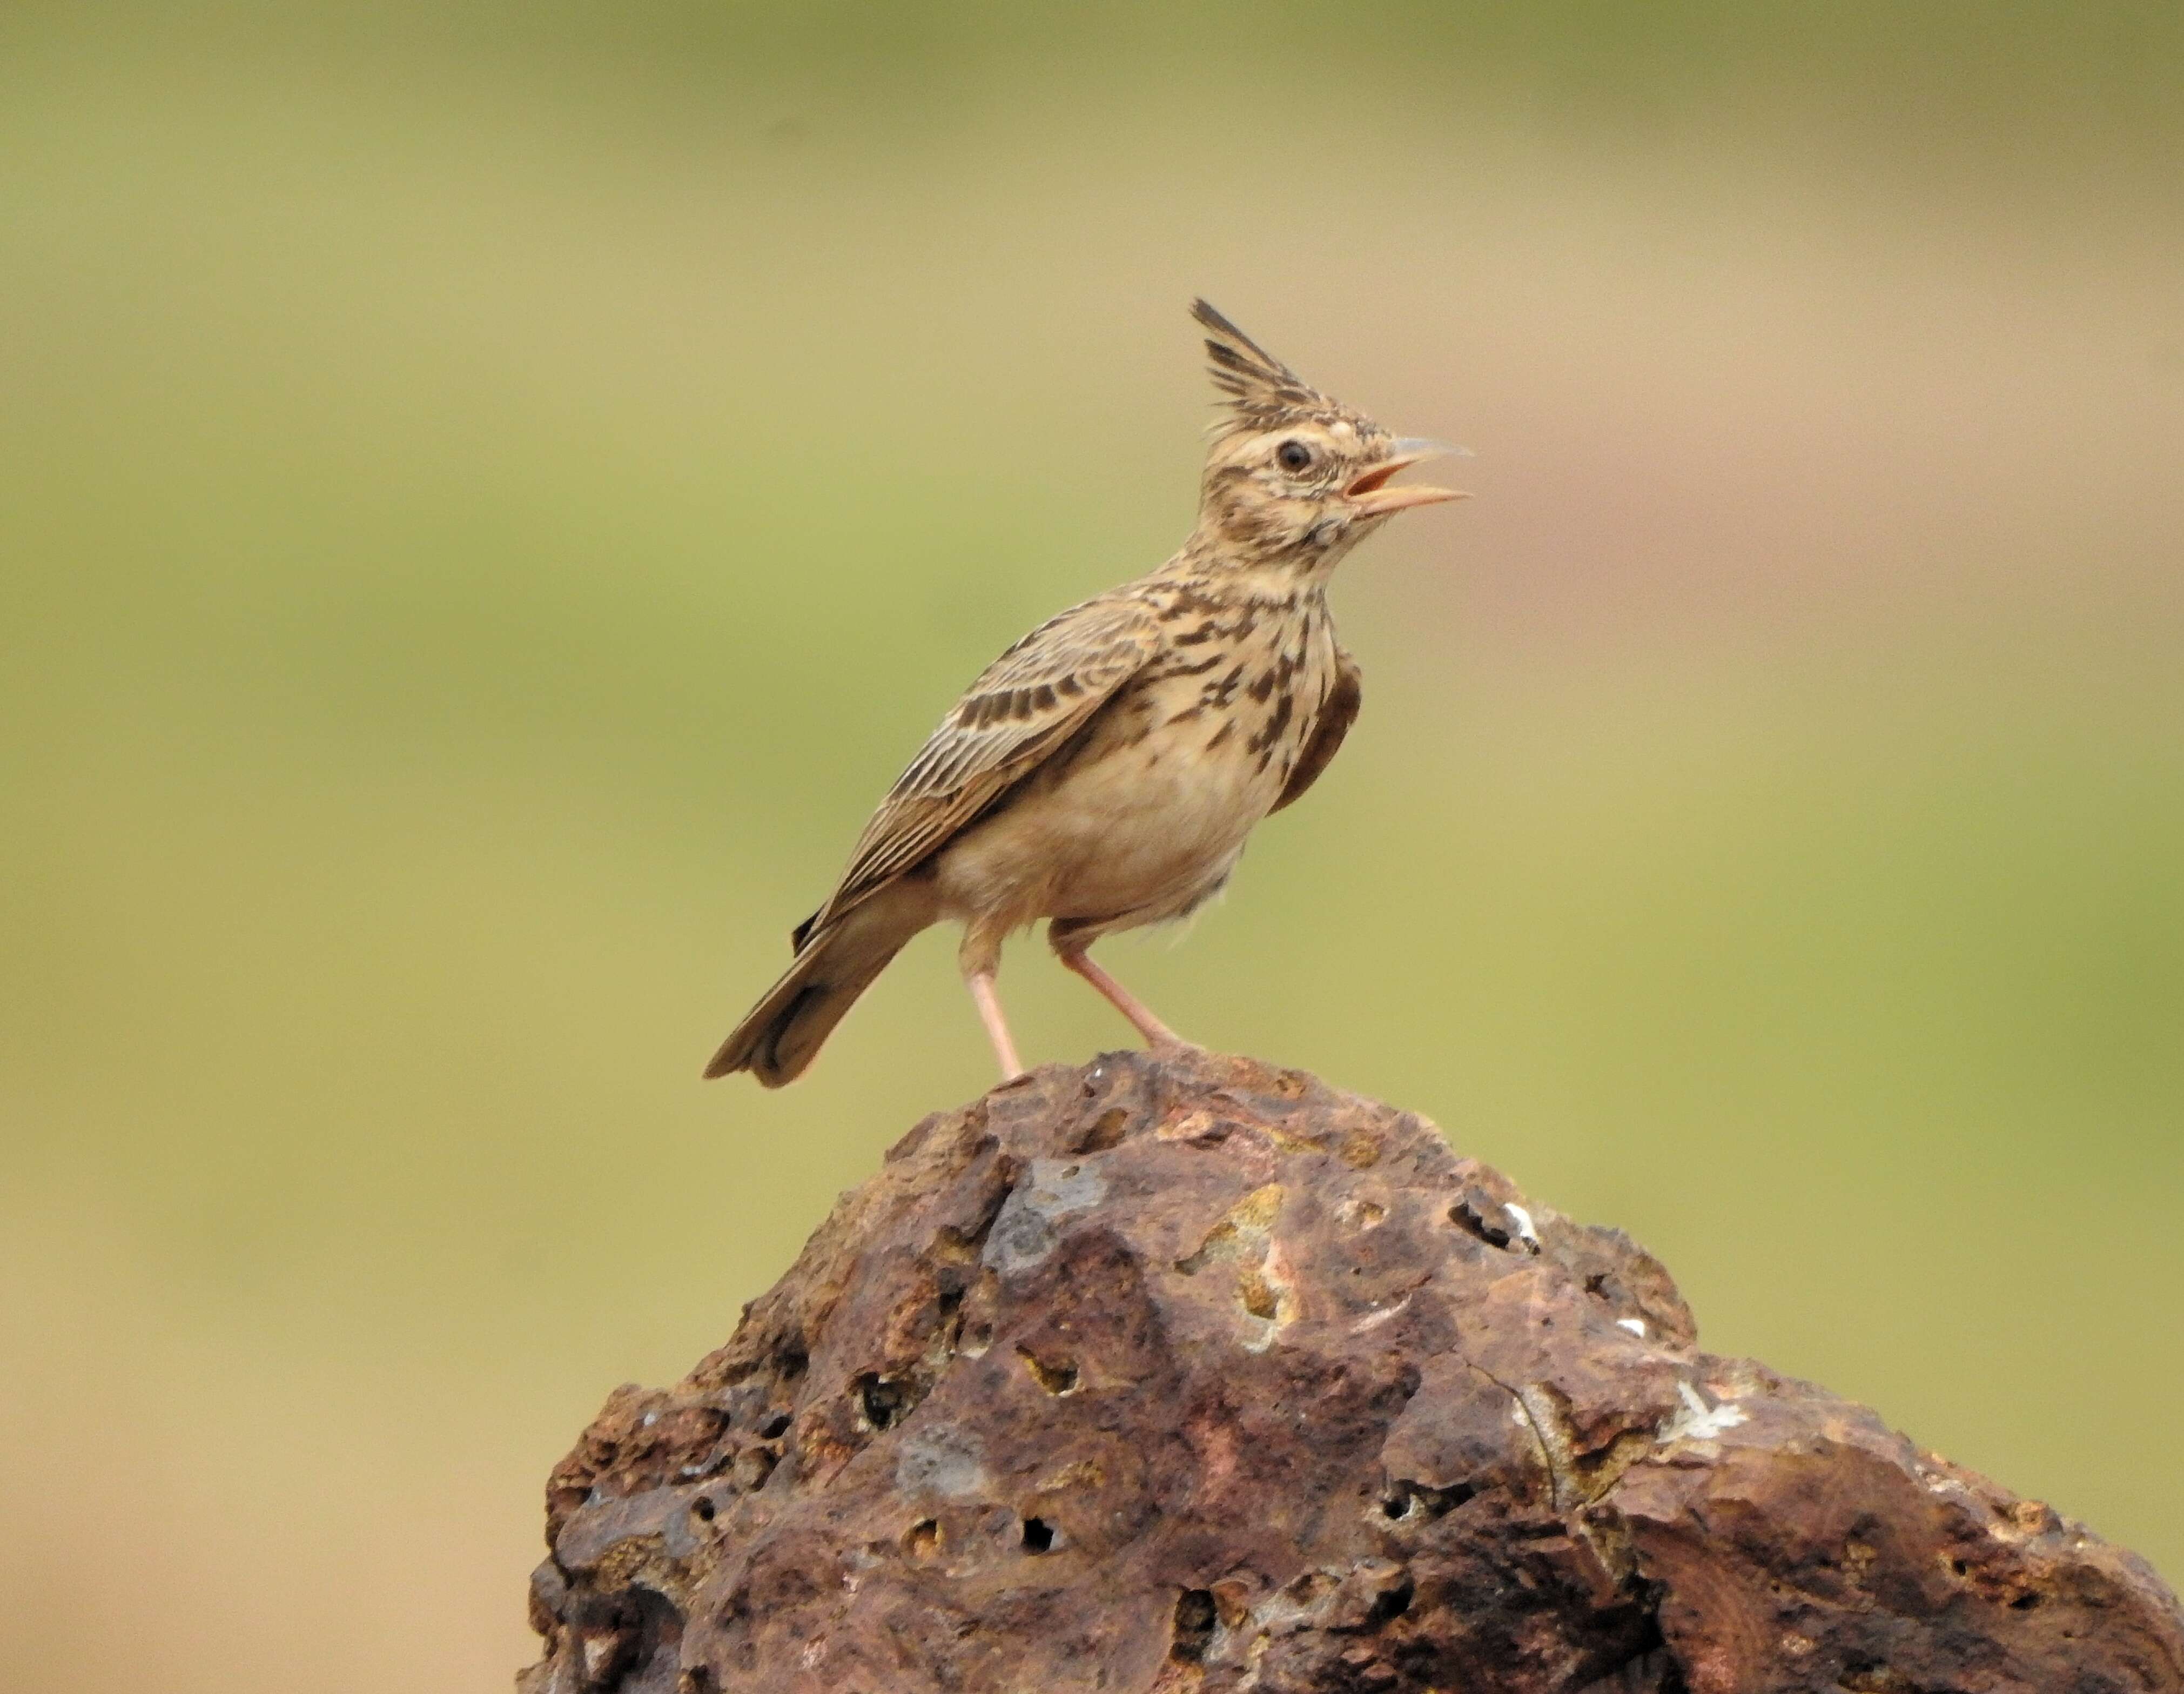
488	499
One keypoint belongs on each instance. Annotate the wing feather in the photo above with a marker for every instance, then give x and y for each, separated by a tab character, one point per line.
1025	704
1336	714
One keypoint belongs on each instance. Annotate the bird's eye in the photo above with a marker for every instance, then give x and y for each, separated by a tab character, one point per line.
1294	455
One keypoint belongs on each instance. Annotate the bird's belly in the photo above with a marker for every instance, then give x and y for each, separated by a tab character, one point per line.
1131	833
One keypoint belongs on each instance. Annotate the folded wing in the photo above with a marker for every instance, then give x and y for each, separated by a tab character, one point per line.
1025	705
1337	712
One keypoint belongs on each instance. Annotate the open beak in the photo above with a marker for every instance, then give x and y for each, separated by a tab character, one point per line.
1371	495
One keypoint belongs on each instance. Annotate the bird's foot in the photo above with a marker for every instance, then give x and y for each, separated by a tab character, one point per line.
981	983
1158	1036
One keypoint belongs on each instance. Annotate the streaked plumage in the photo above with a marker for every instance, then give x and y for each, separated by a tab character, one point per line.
1105	772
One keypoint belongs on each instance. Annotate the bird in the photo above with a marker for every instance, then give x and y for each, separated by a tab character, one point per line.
1104	773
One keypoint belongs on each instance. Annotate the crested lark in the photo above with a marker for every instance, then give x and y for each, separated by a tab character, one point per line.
1104	771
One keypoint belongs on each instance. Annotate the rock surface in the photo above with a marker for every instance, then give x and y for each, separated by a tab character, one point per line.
1193	1374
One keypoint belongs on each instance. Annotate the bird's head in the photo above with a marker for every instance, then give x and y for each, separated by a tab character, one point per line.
1292	475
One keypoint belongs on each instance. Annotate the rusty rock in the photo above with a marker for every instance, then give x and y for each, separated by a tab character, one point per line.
1189	1375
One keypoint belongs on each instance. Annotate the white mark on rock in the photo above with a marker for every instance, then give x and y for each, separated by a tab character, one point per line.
1024	1233
1636	1325
941	1461
1697	1421
1523	1220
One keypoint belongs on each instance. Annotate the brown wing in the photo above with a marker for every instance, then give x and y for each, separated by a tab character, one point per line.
1336	714
1028	702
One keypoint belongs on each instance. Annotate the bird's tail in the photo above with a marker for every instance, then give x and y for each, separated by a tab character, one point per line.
782	1034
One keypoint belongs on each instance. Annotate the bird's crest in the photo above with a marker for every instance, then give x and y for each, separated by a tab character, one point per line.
1260	391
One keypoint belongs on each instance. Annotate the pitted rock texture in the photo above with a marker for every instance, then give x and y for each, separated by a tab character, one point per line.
1189	1373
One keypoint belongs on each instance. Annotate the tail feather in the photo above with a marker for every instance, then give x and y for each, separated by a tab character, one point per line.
782	1033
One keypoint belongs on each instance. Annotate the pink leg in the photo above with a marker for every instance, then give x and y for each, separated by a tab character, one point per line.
981	984
1156	1033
